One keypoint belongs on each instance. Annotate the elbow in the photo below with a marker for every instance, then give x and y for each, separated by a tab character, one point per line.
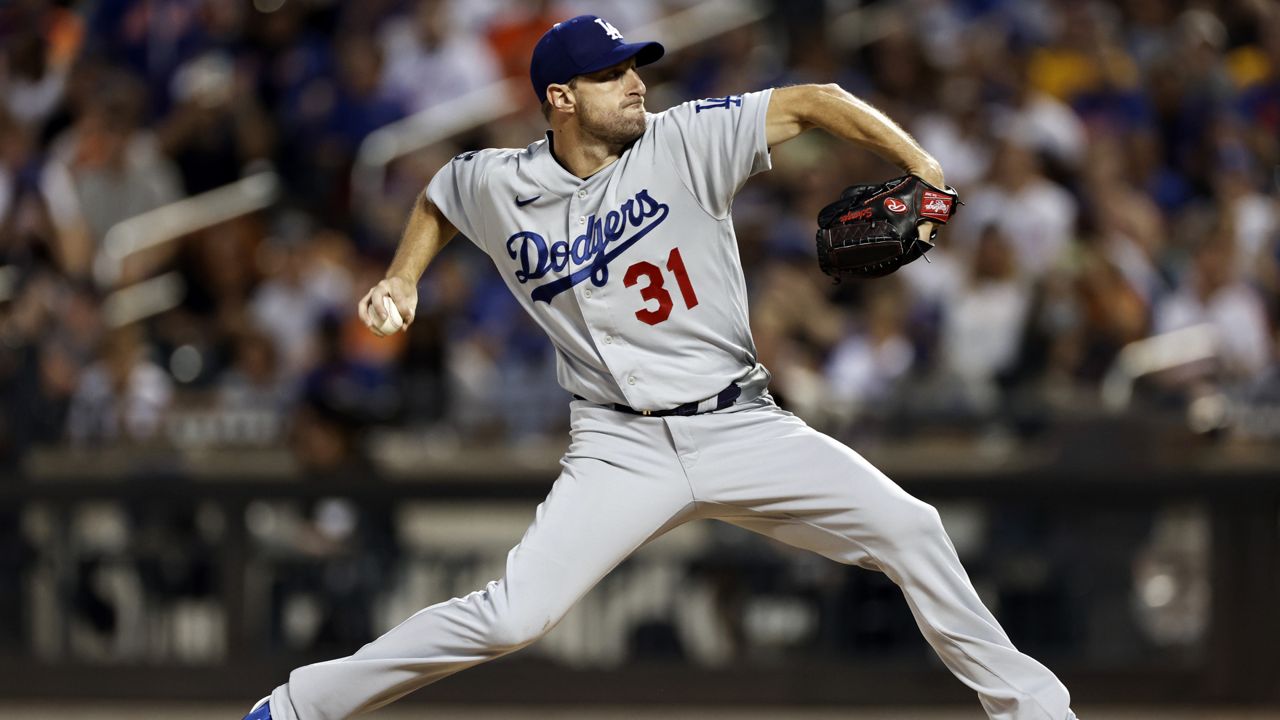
818	95
830	91
819	102
798	108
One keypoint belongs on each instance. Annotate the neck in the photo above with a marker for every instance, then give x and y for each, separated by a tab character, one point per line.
582	154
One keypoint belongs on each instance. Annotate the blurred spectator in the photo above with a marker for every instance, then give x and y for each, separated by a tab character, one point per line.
1038	121
1084	56
1035	215
105	168
253	383
515	30
428	60
35	80
1212	292
956	132
330	117
865	366
1127	226
341	397
153	38
1114	310
360	105
38	368
122	397
215	129
1254	216
284	55
28	236
1089	69
625	15
1147	29
1259	101
982	326
1190	89
1052	355
299	290
532	406
899	72
795	326
65	354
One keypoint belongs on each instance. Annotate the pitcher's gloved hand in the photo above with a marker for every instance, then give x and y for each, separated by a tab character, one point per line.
873	230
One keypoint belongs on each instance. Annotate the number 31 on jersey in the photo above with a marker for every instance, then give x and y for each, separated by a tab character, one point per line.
654	290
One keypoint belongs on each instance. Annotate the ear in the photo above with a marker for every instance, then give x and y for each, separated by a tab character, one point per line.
561	97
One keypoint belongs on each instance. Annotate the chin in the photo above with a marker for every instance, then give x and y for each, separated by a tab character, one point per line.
636	131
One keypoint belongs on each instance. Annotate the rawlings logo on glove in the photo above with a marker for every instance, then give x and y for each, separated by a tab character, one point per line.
872	229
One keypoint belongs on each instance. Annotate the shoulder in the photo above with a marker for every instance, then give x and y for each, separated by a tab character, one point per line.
486	158
483	168
493	163
711	107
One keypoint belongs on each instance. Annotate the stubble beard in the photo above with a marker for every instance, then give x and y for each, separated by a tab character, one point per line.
618	128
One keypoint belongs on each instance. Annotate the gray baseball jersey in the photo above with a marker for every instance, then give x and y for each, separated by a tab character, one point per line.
634	274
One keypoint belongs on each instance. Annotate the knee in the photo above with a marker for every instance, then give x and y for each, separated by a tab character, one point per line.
913	522
517	628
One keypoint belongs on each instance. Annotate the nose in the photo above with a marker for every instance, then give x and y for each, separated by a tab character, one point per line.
634	86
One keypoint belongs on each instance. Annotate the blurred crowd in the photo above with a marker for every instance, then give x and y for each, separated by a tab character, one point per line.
1119	164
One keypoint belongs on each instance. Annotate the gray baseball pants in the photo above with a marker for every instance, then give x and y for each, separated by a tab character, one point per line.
628	479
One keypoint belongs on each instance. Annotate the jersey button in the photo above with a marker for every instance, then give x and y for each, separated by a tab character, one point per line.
582	193
608	339
586	293
631	380
582	220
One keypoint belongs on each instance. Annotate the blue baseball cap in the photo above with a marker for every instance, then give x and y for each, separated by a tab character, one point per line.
583	45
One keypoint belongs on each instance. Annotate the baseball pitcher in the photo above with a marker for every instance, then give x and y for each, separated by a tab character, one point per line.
614	232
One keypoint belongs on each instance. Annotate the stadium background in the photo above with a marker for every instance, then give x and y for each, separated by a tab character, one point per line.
209	472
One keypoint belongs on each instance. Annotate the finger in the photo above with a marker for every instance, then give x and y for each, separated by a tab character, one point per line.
404	303
362	310
926	230
373	312
397	299
377	310
406	317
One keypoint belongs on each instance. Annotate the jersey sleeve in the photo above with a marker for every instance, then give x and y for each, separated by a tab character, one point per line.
716	144
456	190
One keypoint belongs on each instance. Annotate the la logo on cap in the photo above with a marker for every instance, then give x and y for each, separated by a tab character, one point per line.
609	28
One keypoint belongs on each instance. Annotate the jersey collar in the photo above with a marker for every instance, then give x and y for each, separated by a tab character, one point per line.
549	172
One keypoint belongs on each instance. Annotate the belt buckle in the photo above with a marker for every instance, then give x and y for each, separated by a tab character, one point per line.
646	413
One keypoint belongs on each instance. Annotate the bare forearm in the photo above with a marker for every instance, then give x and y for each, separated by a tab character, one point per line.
426	232
847	117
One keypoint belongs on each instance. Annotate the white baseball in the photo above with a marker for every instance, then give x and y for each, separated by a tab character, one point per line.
394	322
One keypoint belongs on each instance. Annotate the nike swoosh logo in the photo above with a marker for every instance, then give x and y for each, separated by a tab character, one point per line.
522	203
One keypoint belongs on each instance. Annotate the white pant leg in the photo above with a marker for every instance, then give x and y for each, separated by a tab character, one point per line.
621	486
769	472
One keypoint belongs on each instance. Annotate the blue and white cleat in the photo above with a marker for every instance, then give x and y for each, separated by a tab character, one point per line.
260	711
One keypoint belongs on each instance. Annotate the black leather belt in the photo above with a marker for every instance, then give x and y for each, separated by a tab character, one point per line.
723	399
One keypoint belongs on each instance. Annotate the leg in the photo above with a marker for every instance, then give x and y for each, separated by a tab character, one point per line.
772	474
597	513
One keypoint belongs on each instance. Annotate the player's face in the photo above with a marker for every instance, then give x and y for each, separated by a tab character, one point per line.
611	103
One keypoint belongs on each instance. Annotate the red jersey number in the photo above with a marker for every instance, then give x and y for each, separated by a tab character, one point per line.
653	289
